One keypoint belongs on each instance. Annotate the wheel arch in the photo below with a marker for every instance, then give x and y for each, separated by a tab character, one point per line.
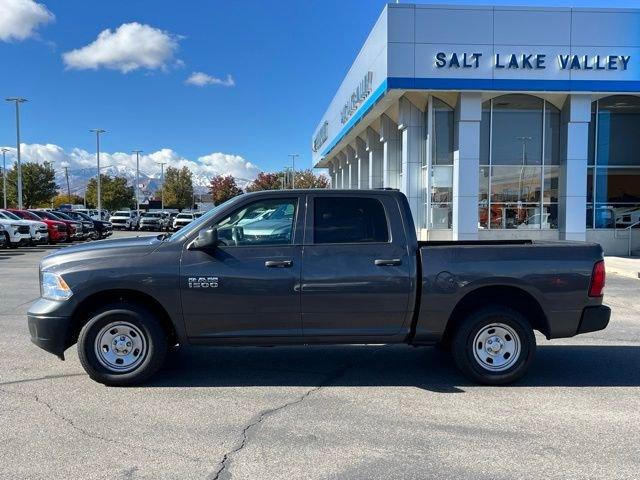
95	301
508	296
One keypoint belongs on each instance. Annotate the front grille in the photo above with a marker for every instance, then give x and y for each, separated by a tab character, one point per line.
23	229
42	230
118	220
62	228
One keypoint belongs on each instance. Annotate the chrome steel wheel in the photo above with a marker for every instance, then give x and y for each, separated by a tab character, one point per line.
120	346
496	347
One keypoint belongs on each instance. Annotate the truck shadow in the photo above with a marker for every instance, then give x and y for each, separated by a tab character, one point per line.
388	366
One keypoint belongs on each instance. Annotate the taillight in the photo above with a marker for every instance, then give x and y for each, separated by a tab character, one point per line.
597	279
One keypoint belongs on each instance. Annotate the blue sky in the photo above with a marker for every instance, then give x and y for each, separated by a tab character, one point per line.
286	59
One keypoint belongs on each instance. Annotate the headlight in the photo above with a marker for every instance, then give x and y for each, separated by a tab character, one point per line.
53	287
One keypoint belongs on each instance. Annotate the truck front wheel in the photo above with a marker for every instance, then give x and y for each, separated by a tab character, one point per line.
494	345
122	345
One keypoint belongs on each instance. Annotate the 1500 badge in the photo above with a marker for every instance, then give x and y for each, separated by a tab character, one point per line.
203	282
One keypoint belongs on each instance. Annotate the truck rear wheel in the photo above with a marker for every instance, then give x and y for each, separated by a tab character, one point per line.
494	345
122	344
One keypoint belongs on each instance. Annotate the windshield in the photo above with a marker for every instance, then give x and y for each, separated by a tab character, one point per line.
122	214
151	215
185	215
9	215
61	215
28	215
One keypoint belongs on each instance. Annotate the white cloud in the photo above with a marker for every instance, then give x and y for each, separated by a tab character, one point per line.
82	163
129	47
200	79
19	19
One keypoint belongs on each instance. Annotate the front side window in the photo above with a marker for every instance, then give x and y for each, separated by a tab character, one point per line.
266	222
349	220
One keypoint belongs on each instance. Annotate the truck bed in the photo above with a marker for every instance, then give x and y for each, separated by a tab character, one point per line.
551	277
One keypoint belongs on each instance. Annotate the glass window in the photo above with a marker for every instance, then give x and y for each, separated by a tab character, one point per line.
438	190
618	185
550	187
618	127
349	220
266	222
516	138
551	135
516	188
442	184
442	144
515	184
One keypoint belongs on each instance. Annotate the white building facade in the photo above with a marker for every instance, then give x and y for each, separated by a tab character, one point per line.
496	122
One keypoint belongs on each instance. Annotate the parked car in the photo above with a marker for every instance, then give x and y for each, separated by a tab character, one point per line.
182	219
3	238
103	228
154	221
37	228
349	269
125	220
88	228
74	229
16	232
100	229
57	229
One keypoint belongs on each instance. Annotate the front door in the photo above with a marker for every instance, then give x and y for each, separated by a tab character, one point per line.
249	285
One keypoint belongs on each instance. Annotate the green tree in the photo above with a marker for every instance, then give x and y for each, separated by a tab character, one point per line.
115	193
63	198
38	185
265	181
308	179
222	188
178	188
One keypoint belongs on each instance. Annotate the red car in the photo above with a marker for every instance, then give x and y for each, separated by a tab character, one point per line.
57	228
71	226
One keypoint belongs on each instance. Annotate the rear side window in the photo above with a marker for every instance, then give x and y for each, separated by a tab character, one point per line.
349	220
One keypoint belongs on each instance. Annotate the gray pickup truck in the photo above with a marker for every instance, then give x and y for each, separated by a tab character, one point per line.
314	267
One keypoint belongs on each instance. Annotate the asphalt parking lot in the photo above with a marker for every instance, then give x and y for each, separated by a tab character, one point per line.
320	412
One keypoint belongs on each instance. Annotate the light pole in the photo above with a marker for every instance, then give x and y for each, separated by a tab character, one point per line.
137	152
98	131
4	175
162	164
18	101
293	168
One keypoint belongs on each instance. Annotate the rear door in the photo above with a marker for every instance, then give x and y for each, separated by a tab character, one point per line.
356	277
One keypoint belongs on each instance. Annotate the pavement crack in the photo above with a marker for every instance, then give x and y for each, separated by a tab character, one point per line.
86	433
222	470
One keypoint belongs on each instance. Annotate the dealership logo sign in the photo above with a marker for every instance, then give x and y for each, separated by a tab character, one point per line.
358	96
321	136
534	61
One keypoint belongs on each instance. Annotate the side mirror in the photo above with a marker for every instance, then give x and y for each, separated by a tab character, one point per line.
207	239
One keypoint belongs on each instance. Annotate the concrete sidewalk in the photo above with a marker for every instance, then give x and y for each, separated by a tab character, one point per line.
625	266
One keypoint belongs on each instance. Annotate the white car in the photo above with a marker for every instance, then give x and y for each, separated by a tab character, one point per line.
16	232
38	230
182	219
125	220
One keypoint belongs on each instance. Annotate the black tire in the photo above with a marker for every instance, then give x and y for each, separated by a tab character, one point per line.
469	355
152	356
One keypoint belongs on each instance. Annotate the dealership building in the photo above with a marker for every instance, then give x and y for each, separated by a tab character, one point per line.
496	122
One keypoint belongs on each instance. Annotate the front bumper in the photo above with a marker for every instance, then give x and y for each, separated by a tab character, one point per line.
40	239
49	332
594	319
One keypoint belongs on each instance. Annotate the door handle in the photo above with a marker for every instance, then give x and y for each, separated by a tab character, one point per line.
278	263
392	262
